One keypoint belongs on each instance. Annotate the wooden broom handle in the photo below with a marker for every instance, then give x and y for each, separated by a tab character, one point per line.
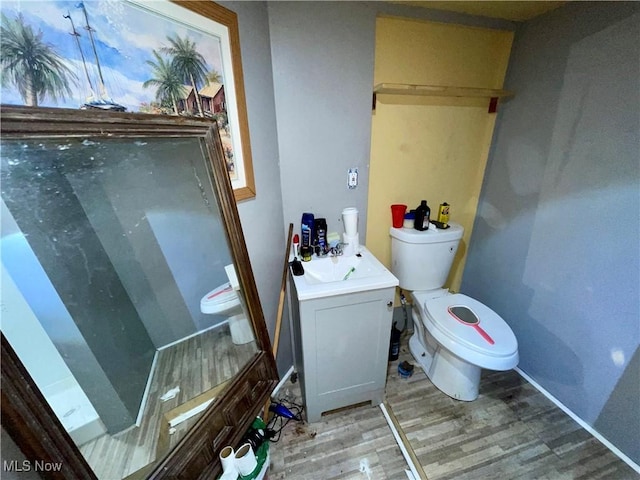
276	333
283	289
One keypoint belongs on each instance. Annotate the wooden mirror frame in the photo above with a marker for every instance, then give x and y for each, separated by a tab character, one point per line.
26	415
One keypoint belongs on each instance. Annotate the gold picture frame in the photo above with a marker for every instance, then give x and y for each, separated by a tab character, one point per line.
170	57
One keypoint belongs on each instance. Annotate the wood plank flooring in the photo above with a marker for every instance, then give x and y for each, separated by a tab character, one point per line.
196	365
349	444
511	431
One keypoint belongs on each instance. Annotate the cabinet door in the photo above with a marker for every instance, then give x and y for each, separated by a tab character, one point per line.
346	344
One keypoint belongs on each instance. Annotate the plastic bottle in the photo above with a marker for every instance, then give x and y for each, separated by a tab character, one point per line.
394	343
409	219
321	233
307	229
423	214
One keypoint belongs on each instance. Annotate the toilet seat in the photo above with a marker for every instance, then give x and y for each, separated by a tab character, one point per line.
220	300
464	340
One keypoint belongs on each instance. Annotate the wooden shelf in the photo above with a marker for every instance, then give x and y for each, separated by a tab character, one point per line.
441	91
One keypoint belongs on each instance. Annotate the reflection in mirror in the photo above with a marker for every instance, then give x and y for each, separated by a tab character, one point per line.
464	314
119	293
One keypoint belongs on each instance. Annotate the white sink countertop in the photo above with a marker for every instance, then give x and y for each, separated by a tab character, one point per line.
329	276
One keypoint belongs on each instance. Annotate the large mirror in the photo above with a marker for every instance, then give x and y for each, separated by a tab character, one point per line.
129	308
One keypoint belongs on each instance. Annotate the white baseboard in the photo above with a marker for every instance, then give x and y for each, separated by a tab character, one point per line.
145	394
580	422
195	334
282	381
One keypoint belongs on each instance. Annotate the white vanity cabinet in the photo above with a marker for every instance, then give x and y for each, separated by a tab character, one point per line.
341	346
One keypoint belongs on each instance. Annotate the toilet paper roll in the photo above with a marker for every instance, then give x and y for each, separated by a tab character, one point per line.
228	460
245	460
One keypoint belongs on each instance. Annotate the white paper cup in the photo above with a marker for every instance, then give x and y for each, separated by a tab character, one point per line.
350	221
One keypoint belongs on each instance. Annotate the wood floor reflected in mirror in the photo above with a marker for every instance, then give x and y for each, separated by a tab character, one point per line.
197	370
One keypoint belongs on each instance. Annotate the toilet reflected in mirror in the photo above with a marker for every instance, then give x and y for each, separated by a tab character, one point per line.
224	300
464	314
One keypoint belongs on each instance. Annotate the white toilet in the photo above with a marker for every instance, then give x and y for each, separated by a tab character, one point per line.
455	336
225	300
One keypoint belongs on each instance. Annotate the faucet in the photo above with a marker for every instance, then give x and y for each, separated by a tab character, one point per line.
337	250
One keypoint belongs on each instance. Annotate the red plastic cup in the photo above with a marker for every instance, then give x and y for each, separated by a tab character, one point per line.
397	215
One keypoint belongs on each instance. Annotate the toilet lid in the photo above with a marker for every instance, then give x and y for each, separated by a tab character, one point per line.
220	300
472	324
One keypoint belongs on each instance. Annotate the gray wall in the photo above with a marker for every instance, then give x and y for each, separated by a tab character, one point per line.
555	242
323	57
261	217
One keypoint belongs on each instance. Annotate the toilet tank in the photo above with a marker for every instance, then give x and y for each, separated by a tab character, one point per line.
421	260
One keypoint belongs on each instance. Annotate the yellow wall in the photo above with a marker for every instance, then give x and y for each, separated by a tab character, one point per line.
431	148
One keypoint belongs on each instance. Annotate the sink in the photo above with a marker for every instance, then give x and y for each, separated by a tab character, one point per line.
340	275
338	269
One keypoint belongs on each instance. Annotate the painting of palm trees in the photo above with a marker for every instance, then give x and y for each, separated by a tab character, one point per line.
31	65
188	63
121	56
166	80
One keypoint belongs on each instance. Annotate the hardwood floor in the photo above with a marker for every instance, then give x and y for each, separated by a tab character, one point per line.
511	431
196	365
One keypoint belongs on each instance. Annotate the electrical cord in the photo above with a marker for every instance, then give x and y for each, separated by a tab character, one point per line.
277	423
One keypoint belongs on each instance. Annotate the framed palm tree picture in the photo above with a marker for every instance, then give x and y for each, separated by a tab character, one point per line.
179	58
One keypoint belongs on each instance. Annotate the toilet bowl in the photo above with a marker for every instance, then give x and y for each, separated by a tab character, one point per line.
453	352
455	336
225	300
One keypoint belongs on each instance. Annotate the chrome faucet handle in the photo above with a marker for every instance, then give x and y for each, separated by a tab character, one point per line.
337	250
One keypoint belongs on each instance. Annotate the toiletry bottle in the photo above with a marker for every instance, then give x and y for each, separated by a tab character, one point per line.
423	214
443	214
409	219
321	234
296	244
307	229
394	343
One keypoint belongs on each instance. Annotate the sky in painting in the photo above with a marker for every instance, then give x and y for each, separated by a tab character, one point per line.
125	38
